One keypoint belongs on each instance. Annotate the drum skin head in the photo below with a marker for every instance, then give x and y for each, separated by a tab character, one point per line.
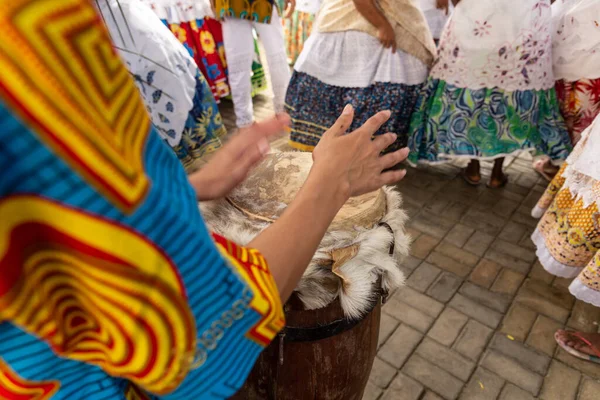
276	181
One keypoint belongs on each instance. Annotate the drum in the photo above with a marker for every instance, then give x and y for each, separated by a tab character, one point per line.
328	346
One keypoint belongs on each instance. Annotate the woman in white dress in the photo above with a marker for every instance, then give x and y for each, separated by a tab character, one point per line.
372	55
491	92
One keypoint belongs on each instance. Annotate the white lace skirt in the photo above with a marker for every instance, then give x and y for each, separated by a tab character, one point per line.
356	59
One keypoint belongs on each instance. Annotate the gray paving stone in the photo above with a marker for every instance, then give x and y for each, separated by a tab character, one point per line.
525	356
508	282
541	298
448	326
508	261
372	392
382	373
444	287
541	336
513	232
512	371
476	311
518	322
523	216
408	315
449	264
433	377
561	383
423	245
419	301
484	385
431	396
409	264
400	345
479	243
403	388
423	277
387	326
512	392
586	367
584	317
485	273
495	301
473	340
505	207
456	211
538	273
512	249
460	255
459	235
448	360
589	389
433	225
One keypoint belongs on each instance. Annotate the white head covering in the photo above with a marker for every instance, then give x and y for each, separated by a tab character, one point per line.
178	11
576	39
163	70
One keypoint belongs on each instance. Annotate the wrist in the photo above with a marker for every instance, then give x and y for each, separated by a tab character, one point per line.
333	187
202	186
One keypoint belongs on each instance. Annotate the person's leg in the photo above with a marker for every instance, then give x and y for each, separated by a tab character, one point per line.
472	173
498	179
272	39
239	49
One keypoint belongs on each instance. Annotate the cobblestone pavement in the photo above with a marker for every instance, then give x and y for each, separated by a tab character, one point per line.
477	316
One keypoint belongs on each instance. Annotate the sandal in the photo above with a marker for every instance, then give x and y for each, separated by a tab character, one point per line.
539	167
500	185
469	180
577	353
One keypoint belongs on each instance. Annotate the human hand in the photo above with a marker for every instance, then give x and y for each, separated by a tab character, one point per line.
387	36
353	161
231	164
442	5
290	6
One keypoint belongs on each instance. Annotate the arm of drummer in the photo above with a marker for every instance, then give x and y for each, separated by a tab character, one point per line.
345	165
372	13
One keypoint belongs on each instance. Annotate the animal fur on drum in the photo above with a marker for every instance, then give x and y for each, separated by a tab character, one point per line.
353	282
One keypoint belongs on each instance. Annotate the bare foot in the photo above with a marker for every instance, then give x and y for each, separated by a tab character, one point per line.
574	342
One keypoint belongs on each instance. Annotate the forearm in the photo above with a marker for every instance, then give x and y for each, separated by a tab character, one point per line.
289	244
371	12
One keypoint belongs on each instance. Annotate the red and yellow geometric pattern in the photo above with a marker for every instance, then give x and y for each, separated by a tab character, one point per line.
58	70
253	269
13	387
66	280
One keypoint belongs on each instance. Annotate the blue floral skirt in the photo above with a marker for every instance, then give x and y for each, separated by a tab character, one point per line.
315	106
452	122
204	127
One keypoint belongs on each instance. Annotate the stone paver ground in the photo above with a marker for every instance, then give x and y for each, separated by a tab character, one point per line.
478	313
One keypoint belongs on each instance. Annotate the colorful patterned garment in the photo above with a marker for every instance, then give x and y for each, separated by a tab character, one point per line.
297	29
579	104
491	91
252	10
110	285
568	235
485	123
314	115
352	67
176	95
576	55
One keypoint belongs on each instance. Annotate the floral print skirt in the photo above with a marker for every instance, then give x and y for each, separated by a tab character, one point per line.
314	107
203	129
579	104
297	29
452	122
204	40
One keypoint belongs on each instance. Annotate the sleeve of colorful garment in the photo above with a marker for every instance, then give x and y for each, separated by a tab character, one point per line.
110	285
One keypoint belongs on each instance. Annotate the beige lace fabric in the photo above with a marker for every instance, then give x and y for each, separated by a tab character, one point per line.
412	33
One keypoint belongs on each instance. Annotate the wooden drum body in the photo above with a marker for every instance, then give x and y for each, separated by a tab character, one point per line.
328	346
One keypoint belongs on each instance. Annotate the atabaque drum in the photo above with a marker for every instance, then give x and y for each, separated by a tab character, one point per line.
328	346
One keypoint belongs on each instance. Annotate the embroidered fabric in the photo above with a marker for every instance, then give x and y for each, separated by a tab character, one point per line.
163	70
576	39
356	59
548	262
582	176
179	11
504	44
308	6
584	293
